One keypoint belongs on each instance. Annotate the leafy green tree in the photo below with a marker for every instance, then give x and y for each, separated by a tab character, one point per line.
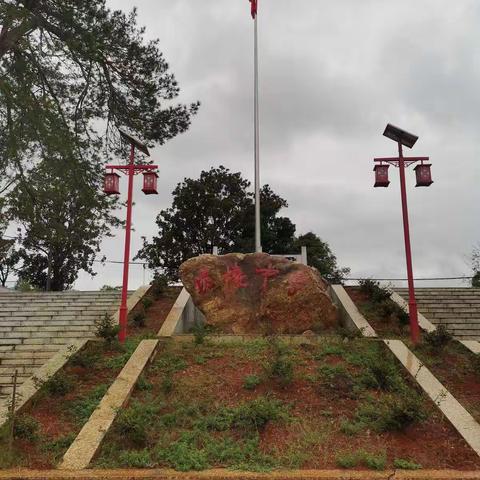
322	258
70	71
214	210
476	267
63	220
8	260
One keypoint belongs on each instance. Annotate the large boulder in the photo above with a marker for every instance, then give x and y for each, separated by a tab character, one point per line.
258	293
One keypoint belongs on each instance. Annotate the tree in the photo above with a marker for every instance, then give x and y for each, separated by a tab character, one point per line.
214	210
476	267
8	259
322	258
66	65
63	220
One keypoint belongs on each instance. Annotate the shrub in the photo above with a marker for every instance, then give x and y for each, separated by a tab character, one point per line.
82	408
138	318
147	302
106	328
199	333
375	461
438	339
392	412
250	382
280	367
135	459
58	385
336	379
133	422
26	427
166	384
406	464
84	359
374	291
159	285
183	455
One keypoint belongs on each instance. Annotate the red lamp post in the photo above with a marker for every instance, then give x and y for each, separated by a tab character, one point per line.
111	187
424	179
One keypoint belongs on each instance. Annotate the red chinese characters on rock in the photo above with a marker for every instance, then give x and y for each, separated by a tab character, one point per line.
266	273
296	282
203	282
233	279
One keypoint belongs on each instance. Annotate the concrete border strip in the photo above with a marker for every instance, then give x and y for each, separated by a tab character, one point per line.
223	474
86	444
32	385
353	319
174	317
472	345
463	422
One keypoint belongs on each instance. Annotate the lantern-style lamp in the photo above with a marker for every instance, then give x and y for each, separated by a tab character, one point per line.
381	175
424	175
150	183
111	185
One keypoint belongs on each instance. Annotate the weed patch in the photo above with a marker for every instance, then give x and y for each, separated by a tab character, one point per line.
251	382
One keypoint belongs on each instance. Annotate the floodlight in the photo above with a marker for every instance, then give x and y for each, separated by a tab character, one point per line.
398	135
134	141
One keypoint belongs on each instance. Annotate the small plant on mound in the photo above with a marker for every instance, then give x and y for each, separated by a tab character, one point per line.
375	461
280	367
159	285
106	328
135	459
138	318
58	385
26	428
199	333
438	339
406	464
336	379
250	382
147	302
85	359
374	291
133	423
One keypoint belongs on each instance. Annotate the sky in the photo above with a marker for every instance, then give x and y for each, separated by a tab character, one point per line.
333	73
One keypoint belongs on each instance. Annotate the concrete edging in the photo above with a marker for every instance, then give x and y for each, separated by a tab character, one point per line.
222	474
425	324
463	422
353	319
88	441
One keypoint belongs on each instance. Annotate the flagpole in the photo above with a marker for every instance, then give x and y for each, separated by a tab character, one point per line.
258	242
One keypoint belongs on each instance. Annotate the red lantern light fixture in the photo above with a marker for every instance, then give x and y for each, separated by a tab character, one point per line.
150	183
424	179
381	175
424	175
111	184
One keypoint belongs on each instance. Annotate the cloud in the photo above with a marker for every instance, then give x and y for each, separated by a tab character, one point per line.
332	74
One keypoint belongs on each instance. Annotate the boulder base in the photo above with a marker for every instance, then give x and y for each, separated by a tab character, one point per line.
258	293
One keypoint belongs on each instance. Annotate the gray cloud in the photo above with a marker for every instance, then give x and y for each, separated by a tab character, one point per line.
332	74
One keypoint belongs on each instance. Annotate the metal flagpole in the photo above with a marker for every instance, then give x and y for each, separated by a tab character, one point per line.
258	241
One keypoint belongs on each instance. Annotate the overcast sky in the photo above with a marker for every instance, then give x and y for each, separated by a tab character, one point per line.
333	73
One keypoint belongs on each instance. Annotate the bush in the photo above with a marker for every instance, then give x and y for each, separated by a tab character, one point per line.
250	382
373	290
147	302
438	339
82	408
406	464
135	459
133	422
139	318
166	384
58	385
26	427
183	455
281	366
375	461
84	359
199	333
106	328
392	412
336	379
159	286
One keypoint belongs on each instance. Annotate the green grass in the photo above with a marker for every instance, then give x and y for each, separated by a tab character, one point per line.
406	464
351	459
81	408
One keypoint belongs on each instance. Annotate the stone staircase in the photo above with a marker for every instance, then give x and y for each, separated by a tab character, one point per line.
456	308
34	326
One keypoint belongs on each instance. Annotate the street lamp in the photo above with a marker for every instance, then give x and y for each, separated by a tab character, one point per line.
111	187
424	179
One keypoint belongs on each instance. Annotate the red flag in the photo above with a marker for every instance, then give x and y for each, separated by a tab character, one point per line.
253	8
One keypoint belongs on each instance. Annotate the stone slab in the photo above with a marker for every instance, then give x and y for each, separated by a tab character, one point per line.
463	422
172	323
87	442
351	316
